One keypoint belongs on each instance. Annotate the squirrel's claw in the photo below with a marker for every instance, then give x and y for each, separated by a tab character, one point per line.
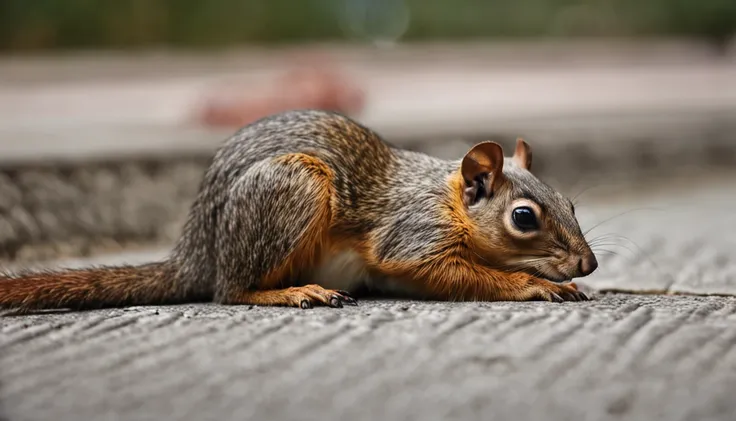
316	295
336	301
346	298
343	293
350	301
557	293
575	293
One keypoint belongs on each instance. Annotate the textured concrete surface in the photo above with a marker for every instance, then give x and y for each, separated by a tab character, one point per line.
674	238
617	357
52	211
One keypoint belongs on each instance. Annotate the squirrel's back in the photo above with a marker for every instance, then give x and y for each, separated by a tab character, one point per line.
361	162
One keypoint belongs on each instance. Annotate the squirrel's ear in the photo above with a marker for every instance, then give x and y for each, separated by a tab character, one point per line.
523	154
482	169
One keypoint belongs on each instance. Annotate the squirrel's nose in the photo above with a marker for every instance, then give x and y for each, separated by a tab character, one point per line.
588	264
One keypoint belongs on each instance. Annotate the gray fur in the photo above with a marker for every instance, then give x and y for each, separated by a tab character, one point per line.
249	212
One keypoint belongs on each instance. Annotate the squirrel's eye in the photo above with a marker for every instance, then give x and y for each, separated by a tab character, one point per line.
524	218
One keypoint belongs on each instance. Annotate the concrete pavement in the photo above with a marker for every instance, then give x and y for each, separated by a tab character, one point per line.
649	357
617	357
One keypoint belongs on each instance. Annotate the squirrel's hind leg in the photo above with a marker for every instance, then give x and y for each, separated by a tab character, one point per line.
273	230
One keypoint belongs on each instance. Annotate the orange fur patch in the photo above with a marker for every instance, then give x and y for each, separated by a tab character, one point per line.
292	297
274	297
454	271
315	239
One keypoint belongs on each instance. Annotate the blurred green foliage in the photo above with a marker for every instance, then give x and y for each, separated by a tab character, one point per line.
48	24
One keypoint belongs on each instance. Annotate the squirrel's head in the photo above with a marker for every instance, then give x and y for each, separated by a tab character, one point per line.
521	223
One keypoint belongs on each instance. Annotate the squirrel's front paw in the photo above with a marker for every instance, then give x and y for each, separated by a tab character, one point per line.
542	289
309	295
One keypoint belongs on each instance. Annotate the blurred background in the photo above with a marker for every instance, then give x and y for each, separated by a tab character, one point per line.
111	110
126	24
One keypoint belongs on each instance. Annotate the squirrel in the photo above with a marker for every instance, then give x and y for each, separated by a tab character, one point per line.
304	208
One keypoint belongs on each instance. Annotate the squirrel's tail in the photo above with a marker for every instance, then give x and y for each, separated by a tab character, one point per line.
99	287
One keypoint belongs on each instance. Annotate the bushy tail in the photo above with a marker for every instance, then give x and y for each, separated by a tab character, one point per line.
97	287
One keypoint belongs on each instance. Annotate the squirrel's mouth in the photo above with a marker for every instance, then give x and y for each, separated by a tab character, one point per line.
553	275
548	271
558	280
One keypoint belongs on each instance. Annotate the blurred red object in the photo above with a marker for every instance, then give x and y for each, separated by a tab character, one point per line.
307	86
